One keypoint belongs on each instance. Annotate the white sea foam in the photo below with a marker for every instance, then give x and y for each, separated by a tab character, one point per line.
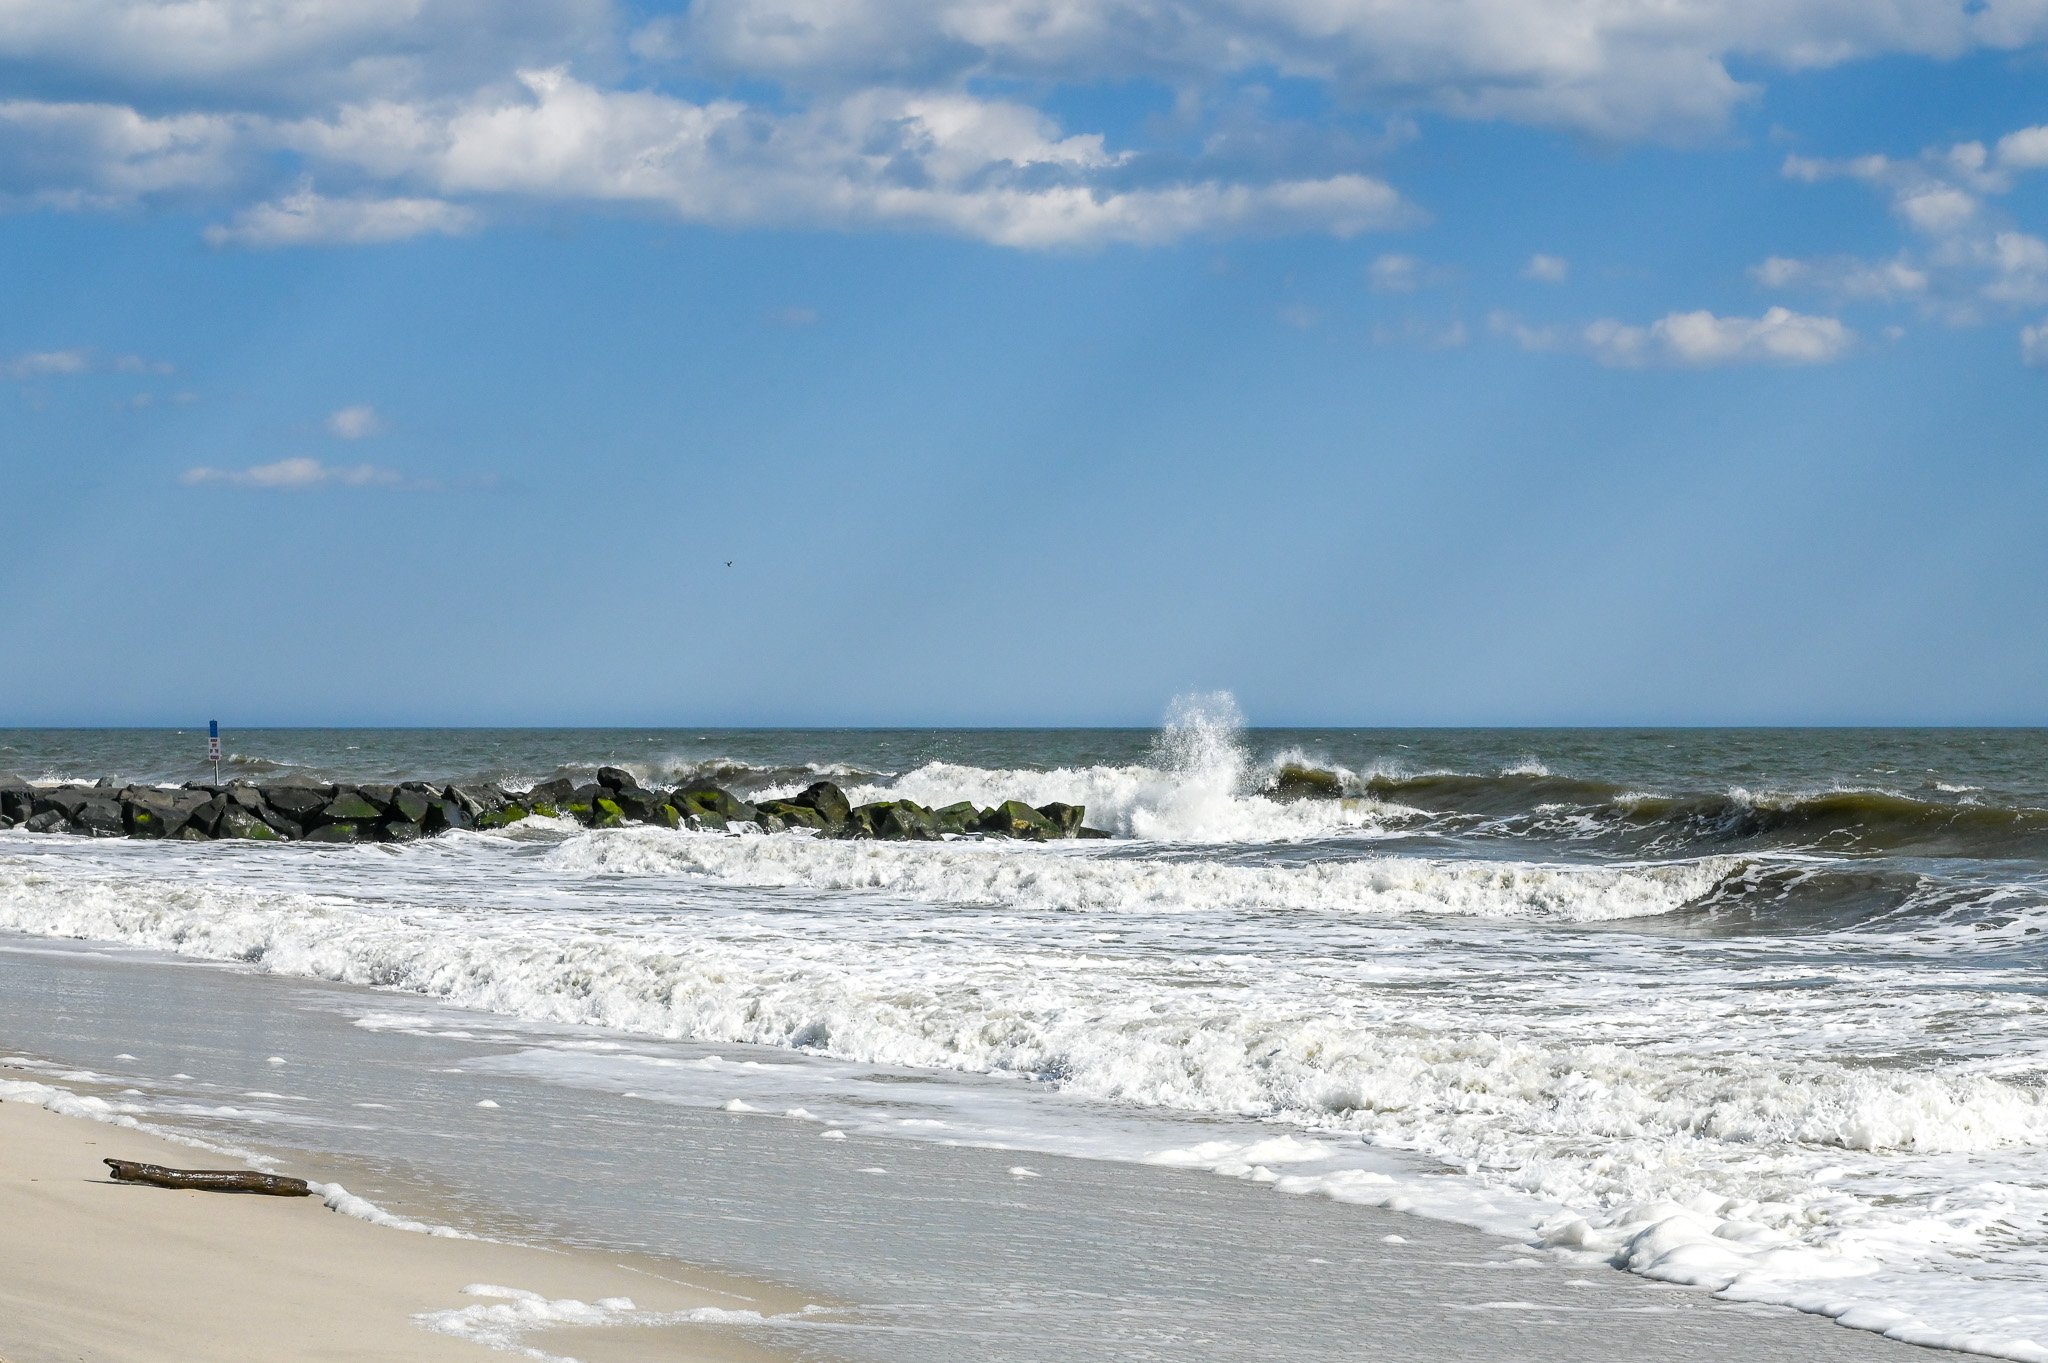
504	1322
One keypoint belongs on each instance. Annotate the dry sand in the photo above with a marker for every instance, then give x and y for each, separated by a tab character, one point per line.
106	1272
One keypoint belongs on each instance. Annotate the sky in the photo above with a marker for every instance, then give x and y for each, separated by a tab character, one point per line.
1021	362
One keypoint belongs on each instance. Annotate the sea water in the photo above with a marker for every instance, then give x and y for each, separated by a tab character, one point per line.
1759	1012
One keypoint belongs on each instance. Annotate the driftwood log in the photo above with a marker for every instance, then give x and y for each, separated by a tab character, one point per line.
208	1180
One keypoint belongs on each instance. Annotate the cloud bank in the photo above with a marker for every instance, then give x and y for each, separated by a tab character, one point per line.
356	122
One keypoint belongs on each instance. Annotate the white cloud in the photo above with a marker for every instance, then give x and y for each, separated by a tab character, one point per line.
47	363
309	219
1394	274
1971	252
61	363
1693	340
1844	277
293	475
992	169
1616	68
2034	345
415	116
355	423
1547	269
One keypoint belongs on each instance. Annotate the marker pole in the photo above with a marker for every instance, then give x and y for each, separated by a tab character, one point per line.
213	747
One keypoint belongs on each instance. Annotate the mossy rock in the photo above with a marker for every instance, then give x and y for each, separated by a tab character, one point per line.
499	818
1015	819
959	817
335	832
791	814
606	814
402	830
410	805
546	810
1065	817
237	822
350	807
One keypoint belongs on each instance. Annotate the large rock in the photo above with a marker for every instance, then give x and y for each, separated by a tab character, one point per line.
296	798
207	817
511	813
475	799
338	832
1066	818
582	799
237	822
49	821
152	815
641	806
348	807
100	819
380	796
958	817
893	820
1296	782
550	794
443	815
401	830
701	800
829	800
606	813
1015	819
409	805
66	801
289	829
789	814
17	797
616	778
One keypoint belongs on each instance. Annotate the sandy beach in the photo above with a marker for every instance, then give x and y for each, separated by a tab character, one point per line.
110	1272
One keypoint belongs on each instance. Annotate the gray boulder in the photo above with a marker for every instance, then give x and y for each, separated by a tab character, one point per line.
48	821
401	830
409	805
237	822
337	832
152	816
65	800
100	819
509	813
554	793
1066	818
206	818
348	807
700	800
893	820
297	799
959	817
641	806
616	778
788	814
829	800
379	796
17	797
443	815
1015	819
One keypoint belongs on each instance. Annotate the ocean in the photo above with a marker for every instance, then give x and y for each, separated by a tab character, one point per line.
1758	1012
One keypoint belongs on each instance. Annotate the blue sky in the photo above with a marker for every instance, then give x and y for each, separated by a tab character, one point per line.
1413	361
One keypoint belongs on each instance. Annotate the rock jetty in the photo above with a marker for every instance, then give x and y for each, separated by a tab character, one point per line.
299	809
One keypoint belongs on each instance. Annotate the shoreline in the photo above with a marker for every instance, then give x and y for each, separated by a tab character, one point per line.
123	1273
935	1245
